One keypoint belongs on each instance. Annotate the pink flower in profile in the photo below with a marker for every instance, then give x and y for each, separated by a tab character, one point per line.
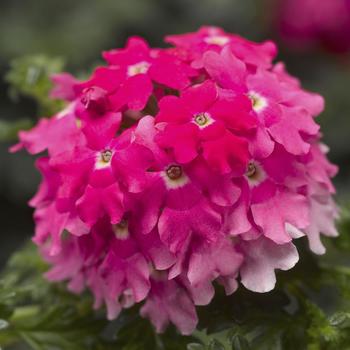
64	87
311	23
263	257
173	170
170	302
54	135
214	39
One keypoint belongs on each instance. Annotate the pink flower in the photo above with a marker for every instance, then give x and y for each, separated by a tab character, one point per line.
172	170
55	135
281	107
199	120
169	301
214	39
134	69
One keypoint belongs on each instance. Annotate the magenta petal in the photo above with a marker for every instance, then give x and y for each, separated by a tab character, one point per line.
229	153
221	189
106	78
200	97
176	227
138	277
182	139
33	139
182	198
64	84
136	50
102	177
288	131
284	207
97	202
100	129
49	224
227	70
208	262
49	185
235	113
168	72
261	145
236	219
168	301
173	110
160	256
134	93
129	166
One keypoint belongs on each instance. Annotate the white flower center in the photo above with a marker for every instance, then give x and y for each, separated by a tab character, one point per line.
259	102
138	68
255	174
202	120
121	230
103	159
219	40
174	177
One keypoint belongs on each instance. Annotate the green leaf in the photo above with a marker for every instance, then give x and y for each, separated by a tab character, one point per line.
3	324
340	320
195	346
240	343
215	345
31	76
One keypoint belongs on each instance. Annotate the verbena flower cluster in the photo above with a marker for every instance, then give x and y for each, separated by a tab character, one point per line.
171	169
305	23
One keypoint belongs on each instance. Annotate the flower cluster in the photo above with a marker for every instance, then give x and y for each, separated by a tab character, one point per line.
305	23
171	169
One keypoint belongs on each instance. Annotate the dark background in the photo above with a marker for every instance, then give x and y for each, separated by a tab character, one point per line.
78	30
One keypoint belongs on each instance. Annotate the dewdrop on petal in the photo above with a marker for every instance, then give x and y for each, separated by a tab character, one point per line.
213	187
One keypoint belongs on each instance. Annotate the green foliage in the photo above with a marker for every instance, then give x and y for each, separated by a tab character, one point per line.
30	76
9	130
309	309
44	316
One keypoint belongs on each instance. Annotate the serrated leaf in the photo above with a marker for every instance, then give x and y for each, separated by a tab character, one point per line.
340	320
30	76
216	345
240	343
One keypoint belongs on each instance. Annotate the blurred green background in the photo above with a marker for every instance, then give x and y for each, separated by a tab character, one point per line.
77	31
